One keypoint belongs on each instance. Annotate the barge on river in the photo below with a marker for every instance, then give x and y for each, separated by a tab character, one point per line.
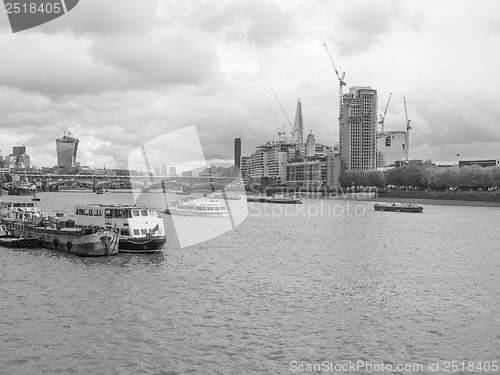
25	221
398	207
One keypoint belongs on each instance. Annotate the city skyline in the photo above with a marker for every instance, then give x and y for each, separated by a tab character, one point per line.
215	69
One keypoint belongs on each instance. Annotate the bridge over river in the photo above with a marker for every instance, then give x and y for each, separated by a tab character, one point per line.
51	182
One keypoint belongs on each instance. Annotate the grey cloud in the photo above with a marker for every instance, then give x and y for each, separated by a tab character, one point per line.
362	24
181	57
259	22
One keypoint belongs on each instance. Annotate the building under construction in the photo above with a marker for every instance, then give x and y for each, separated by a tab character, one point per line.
358	129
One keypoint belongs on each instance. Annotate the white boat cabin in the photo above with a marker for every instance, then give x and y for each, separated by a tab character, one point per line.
132	221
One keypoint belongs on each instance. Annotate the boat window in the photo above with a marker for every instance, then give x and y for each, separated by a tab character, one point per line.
152	213
144	231
107	212
210	208
216	208
144	212
136	213
124	232
136	232
119	214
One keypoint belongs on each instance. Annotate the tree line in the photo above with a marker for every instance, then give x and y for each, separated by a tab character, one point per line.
418	176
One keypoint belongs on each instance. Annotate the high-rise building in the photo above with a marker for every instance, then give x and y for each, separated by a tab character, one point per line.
67	147
298	125
237	152
359	129
173	172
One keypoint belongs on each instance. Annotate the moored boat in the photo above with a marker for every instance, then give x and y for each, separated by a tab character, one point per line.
140	228
25	221
398	207
22	188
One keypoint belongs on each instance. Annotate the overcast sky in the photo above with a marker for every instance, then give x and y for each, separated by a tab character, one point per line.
118	73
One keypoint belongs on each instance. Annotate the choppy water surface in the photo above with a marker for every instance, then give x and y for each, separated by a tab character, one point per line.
276	293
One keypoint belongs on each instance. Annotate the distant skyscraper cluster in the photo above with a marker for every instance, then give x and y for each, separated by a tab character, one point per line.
294	163
19	159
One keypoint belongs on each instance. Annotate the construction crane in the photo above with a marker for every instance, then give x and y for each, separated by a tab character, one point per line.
287	119
341	84
408	127
280	131
382	117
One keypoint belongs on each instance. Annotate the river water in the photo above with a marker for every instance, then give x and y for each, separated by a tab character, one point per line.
323	287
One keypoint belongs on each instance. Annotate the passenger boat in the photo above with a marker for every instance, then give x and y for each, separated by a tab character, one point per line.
25	221
223	195
189	206
280	198
398	207
140	228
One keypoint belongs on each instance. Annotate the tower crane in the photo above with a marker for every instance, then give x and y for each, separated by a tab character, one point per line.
408	127
341	84
382	117
280	131
287	119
